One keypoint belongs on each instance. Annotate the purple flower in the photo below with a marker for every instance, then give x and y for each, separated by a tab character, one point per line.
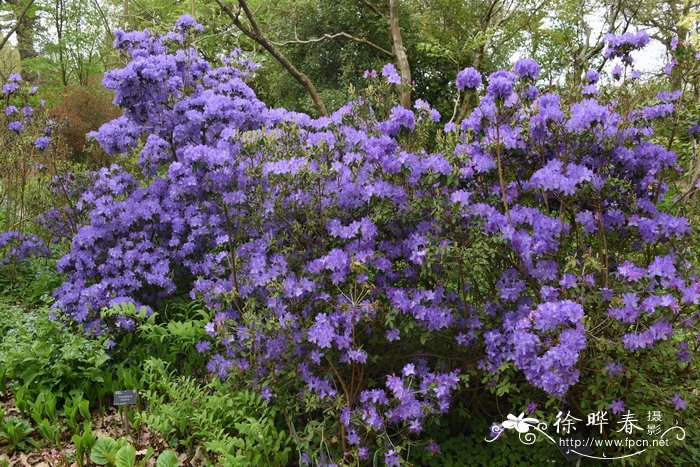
589	90
587	114
622	45
683	354
9	88
468	78
392	335
617	72
678	403
266	393
668	68
16	126
408	370
527	68
391	75
432	447
322	333
203	346
185	22
555	177
615	370
500	87
392	459
530	93
617	406
592	76
363	453
42	142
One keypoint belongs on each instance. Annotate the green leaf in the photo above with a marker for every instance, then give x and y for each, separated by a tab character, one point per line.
104	451
126	456
167	459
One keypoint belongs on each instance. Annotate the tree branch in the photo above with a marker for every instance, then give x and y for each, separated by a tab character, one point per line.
334	36
19	21
372	7
254	32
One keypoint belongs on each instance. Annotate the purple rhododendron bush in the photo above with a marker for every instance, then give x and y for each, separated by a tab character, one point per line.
373	272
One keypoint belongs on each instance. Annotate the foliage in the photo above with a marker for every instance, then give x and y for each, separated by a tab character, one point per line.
82	109
83	442
470	450
14	431
119	453
235	426
40	353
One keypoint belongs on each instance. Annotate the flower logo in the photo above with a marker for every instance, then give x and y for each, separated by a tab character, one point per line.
520	423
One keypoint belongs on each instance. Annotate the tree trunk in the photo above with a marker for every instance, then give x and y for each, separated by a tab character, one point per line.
400	53
26	25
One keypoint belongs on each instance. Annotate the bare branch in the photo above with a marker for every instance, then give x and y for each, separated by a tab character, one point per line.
334	36
372	7
108	29
251	18
254	32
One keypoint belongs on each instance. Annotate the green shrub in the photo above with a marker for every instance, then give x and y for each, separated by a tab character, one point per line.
38	353
235	426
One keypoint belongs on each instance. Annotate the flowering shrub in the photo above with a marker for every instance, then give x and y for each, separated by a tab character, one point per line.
25	138
18	248
366	263
66	213
20	109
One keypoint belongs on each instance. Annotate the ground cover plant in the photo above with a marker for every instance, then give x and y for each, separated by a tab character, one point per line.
378	285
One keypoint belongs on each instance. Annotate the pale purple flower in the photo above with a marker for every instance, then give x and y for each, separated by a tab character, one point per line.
615	369
469	78
527	68
393	335
16	126
679	403
617	406
390	73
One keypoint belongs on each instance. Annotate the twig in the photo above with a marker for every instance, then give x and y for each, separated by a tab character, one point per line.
334	36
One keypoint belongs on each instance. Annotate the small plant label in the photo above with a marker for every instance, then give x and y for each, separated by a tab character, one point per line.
125	397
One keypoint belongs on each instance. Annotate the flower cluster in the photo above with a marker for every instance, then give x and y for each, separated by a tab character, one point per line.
468	78
20	110
19	248
622	45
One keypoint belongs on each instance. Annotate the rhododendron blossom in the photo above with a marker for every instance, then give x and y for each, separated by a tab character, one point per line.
337	251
